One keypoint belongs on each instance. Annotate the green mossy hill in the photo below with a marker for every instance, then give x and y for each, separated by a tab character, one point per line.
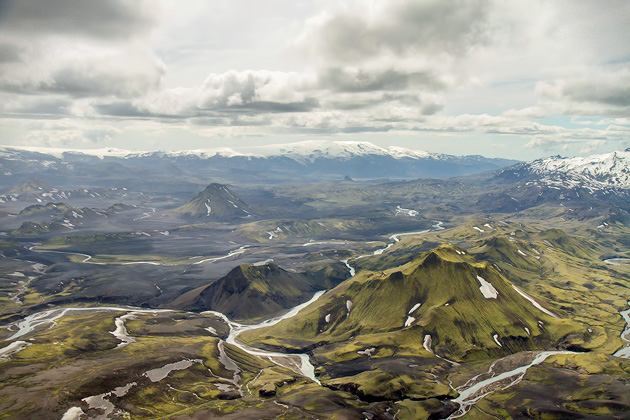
437	294
216	202
35	229
31	185
49	208
506	249
522	250
250	292
117	207
64	211
559	239
96	237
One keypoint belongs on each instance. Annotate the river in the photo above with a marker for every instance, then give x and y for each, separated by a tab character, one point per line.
48	317
289	360
624	352
618	261
87	258
475	389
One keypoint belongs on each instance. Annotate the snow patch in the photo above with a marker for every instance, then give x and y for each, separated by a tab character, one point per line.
73	413
367	352
406	212
413	309
427	343
487	290
533	302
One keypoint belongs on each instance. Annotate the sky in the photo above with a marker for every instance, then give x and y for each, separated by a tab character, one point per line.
514	79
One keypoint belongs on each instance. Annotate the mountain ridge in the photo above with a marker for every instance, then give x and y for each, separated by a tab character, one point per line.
465	306
216	201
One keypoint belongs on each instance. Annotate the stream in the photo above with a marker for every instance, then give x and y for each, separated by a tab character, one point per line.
86	257
624	352
475	390
297	362
396	237
618	261
31	322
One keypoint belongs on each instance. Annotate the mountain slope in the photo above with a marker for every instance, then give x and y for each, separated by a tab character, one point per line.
216	202
31	185
467	309
249	291
310	160
603	172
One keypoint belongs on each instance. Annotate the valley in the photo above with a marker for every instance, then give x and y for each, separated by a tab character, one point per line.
203	292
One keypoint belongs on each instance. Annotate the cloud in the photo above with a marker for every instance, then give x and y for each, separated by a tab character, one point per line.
361	80
78	48
361	30
607	88
473	69
98	19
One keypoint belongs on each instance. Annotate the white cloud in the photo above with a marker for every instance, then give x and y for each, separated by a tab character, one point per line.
78	48
498	69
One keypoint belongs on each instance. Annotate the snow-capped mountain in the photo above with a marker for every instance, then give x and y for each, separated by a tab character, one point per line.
313	149
610	171
291	162
300	151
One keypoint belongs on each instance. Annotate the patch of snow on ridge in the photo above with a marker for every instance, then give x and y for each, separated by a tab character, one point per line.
496	339
349	305
533	302
208	208
427	343
487	290
410	320
416	306
406	212
367	352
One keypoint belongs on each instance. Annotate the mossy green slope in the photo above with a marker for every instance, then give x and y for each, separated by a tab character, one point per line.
249	292
437	294
29	186
35	229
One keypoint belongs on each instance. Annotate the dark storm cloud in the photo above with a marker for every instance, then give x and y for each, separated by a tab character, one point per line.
89	80
127	110
429	26
347	80
269	107
10	53
614	90
95	18
209	115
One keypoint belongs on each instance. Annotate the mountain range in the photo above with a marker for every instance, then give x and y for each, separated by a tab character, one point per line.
294	162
